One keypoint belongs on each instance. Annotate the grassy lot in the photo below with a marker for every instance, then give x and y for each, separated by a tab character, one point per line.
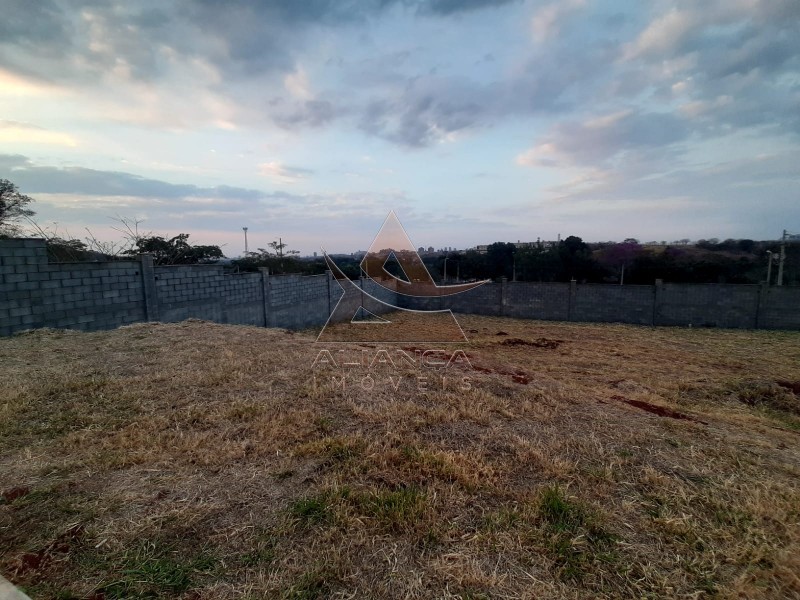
575	461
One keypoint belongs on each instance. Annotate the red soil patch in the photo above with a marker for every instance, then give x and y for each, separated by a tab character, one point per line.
539	343
516	376
661	411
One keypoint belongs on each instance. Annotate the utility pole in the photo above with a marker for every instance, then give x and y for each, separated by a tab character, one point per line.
514	267
622	275
445	270
769	266
782	258
245	240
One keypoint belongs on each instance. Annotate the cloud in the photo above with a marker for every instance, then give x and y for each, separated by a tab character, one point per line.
598	140
547	21
283	174
298	85
14	132
428	111
312	113
33	179
449	7
664	34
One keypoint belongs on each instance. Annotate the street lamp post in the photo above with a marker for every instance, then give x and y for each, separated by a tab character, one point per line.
245	240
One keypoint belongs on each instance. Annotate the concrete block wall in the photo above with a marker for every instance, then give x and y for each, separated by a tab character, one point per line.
779	308
103	295
714	305
700	305
548	301
87	296
297	302
484	300
206	292
612	303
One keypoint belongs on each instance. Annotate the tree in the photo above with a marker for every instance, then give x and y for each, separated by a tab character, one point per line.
500	259
277	247
175	251
12	207
619	257
278	260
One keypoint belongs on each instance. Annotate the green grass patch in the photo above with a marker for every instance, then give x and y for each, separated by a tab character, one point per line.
312	585
574	538
559	512
319	508
393	510
263	551
152	570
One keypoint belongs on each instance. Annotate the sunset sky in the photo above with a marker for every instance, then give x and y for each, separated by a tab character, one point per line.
475	121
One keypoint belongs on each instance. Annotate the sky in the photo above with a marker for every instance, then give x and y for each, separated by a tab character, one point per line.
475	121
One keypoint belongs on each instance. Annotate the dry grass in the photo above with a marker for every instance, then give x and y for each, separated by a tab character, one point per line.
578	461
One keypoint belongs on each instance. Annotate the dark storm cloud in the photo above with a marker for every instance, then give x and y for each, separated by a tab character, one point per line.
33	179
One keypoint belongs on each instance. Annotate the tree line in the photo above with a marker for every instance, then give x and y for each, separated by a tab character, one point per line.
629	261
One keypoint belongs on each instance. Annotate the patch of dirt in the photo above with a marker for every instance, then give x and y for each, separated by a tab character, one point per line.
661	411
517	376
439	353
793	386
38	561
538	343
16	492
